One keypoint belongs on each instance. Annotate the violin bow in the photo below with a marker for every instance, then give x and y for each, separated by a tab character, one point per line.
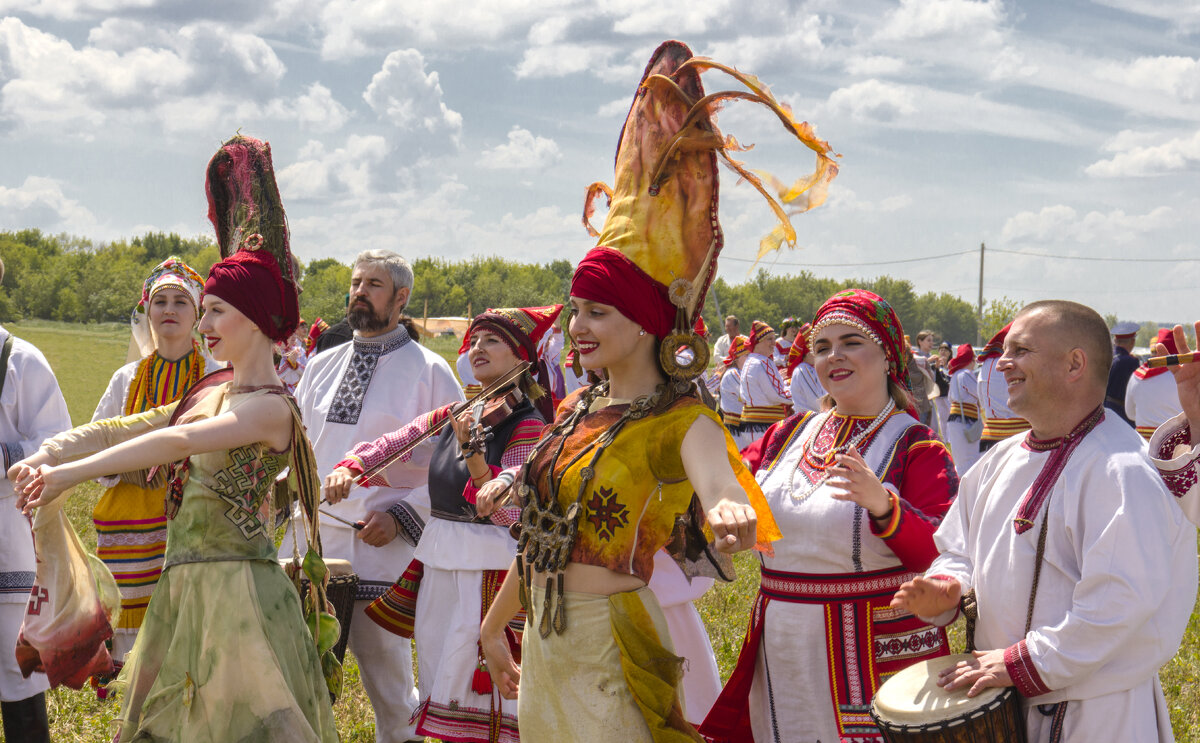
505	380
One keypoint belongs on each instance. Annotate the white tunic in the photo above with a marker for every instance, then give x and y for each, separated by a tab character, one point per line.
1152	401
964	391
806	389
32	408
340	408
1116	589
761	383
731	401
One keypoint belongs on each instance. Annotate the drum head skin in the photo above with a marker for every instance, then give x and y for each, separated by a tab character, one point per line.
912	696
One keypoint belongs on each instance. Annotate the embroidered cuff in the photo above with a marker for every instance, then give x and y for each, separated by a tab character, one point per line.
1178	472
1023	673
408	524
13	453
888	529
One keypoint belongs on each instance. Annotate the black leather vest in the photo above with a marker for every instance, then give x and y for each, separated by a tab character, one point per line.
448	473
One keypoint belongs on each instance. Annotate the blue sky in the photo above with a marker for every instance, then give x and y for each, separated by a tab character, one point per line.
1052	130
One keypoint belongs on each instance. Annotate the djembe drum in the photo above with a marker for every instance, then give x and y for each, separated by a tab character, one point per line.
911	708
340	592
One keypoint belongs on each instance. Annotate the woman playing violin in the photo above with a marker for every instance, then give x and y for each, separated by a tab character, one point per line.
463	557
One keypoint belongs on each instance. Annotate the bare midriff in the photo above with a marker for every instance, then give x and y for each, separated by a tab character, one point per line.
580	578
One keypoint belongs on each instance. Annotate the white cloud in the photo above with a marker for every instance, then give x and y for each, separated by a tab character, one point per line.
47	82
613	109
922	19
1184	14
316	110
73	9
798	39
560	60
523	151
1061	223
873	65
40	202
873	100
1176	76
403	94
670	17
321	174
1132	159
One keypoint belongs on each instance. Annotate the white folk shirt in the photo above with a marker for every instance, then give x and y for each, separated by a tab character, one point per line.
964	394
1152	401
1116	590
806	389
347	397
731	401
32	409
761	384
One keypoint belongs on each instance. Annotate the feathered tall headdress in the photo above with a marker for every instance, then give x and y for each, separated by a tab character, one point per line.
662	214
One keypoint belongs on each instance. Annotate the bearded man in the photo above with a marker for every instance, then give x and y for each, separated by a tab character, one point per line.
357	392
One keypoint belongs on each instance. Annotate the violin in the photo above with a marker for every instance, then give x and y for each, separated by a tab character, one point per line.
489	413
497	390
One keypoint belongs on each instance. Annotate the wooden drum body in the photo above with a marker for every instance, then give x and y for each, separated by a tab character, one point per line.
911	708
343	585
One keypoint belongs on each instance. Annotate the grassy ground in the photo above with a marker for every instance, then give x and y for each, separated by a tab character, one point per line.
84	357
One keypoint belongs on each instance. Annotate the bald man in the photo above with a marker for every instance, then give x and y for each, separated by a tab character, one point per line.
1117	580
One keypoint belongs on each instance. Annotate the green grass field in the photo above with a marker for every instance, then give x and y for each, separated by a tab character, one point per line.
84	357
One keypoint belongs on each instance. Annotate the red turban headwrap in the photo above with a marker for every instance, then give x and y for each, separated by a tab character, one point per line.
250	281
608	277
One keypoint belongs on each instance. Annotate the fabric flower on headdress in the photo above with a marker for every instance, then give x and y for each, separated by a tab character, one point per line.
871	314
172	273
657	252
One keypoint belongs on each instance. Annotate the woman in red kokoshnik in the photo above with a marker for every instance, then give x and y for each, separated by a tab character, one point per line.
223	653
605	486
858	491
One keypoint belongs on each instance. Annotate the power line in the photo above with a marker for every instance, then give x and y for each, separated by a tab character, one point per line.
1094	258
846	265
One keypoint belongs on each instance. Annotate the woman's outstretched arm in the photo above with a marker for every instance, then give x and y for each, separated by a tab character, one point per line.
726	505
265	419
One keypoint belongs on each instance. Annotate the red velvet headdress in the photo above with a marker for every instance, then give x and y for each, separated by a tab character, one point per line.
962	358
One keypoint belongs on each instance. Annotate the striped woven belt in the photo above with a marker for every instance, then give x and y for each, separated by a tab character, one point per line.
998	429
764	413
965	409
821	588
1147	431
732	419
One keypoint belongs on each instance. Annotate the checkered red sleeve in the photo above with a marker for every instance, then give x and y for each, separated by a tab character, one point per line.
368	454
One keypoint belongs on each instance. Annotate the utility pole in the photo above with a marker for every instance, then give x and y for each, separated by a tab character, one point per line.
979	324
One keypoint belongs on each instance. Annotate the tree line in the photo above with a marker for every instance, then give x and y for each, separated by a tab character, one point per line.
72	279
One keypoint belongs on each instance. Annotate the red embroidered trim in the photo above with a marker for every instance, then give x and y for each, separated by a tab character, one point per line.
1023	672
1060	451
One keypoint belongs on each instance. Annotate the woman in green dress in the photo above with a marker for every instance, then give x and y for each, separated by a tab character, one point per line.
224	653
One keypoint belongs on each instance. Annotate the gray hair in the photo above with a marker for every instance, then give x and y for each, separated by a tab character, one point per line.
402	273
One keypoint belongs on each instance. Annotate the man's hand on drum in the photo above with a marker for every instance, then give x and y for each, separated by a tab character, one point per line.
337	485
985	670
734	526
379	528
928	597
